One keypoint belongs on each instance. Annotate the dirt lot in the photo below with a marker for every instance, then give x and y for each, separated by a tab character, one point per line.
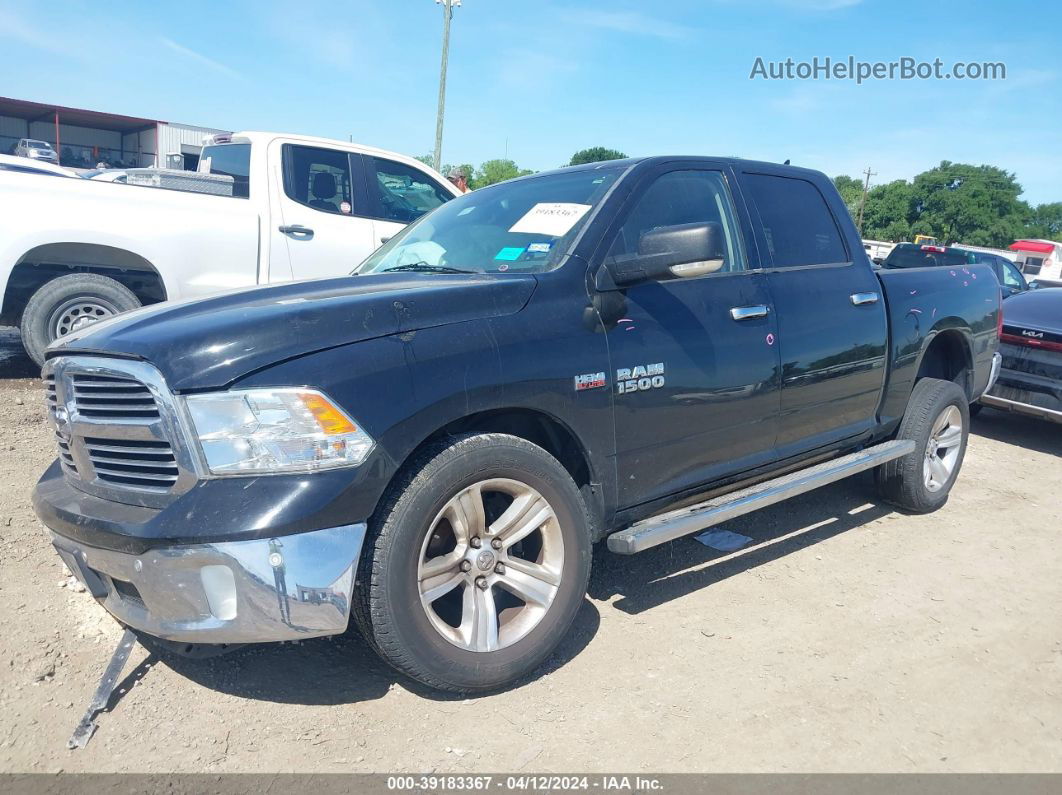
848	637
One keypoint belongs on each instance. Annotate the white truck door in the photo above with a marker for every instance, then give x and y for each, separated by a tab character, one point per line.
317	221
399	194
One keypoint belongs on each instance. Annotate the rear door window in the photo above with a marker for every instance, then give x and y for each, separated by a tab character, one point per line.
319	178
402	193
797	222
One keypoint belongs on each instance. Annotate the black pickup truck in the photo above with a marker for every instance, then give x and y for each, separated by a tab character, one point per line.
625	352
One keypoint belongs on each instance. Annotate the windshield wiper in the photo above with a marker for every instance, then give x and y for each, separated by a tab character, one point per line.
424	267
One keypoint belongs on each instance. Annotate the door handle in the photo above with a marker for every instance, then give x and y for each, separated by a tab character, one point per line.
296	229
864	298
748	312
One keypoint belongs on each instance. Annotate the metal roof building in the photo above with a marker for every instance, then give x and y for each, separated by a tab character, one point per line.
84	138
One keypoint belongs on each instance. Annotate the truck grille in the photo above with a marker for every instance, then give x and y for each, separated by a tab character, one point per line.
133	463
113	398
116	430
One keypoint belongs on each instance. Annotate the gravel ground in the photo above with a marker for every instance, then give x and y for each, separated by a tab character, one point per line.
847	637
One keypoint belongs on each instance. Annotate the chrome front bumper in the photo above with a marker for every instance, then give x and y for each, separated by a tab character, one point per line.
286	588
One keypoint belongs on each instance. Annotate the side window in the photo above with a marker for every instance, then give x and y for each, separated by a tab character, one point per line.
1011	277
231	160
1033	265
318	178
682	197
404	193
798	224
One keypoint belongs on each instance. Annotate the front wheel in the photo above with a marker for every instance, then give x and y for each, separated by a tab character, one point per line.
937	420
479	564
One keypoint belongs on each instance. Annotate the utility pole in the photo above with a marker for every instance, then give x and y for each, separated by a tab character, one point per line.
863	201
448	12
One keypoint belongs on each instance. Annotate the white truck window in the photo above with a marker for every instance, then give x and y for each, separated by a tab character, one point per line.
319	178
404	193
232	160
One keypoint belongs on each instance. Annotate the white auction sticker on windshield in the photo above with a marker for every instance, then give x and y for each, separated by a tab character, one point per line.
550	218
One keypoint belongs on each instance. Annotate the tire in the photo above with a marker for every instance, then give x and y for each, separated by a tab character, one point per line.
461	637
936	413
70	302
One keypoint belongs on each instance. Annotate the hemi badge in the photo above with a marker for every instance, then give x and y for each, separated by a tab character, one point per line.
589	381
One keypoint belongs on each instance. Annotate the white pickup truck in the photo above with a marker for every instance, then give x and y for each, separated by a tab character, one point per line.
75	251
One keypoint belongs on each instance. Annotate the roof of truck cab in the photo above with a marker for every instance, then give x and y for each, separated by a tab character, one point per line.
730	160
264	137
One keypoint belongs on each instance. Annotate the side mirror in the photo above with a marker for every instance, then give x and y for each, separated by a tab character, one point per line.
683	251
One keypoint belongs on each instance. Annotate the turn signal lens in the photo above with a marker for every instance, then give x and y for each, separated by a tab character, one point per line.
331	419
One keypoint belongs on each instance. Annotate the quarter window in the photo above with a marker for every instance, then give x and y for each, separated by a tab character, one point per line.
232	160
319	178
404	193
682	197
798	225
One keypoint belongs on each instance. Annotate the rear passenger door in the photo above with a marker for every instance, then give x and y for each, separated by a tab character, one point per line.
832	327
323	221
398	194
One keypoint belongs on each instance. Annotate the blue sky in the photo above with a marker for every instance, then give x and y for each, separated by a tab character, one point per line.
540	79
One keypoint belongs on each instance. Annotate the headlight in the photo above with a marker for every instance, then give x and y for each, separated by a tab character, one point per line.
275	430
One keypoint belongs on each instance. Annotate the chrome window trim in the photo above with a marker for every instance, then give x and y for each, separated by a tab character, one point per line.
169	427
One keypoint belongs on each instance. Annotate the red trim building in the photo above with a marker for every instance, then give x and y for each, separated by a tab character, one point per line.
83	138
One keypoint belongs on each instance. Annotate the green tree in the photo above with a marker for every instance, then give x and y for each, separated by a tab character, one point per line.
888	212
497	171
595	154
851	190
428	160
958	202
1045	222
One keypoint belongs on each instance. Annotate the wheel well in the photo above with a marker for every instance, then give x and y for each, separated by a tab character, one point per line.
548	433
947	358
45	263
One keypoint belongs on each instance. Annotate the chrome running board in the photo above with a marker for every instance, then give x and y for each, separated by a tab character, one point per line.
675	524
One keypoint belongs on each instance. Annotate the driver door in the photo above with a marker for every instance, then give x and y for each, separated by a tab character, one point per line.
695	362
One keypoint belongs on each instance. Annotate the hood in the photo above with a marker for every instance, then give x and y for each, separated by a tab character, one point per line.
1036	309
208	343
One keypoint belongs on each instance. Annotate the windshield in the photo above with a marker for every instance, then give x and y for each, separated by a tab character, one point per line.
518	227
919	257
38	145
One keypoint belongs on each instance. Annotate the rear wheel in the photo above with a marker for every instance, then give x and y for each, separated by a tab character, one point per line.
479	564
71	303
937	420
